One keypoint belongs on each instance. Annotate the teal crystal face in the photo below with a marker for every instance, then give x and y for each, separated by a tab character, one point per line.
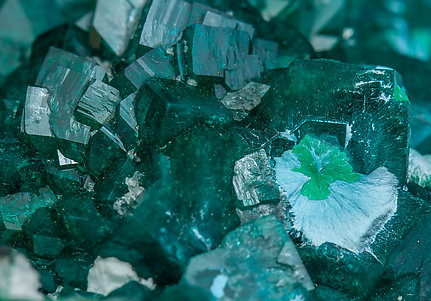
215	150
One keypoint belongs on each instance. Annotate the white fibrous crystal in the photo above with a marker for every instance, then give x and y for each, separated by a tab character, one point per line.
352	214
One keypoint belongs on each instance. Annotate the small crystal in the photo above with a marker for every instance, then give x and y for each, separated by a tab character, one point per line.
116	21
97	105
155	63
216	20
165	22
64	161
254	180
244	100
36	112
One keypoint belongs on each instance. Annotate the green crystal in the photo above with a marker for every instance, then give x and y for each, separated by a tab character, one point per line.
273	269
177	150
167	108
45	233
66	75
17	208
334	166
155	63
127	126
97	105
81	219
22	170
116	22
165	22
106	142
363	99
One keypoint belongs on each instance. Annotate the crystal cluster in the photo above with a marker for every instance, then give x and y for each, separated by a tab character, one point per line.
215	150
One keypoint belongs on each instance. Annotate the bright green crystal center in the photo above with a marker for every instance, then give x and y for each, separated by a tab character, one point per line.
323	164
399	93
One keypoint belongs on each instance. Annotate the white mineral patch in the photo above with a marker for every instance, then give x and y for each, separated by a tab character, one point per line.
128	201
419	169
350	217
348	134
218	285
18	279
109	274
63	160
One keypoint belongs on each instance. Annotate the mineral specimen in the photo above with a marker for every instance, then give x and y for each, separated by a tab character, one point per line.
215	150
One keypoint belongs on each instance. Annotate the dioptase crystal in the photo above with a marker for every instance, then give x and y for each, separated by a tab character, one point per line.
267	51
244	100
217	20
353	274
62	180
352	270
249	68
337	132
406	288
13	209
97	106
165	23
157	222
20	23
166	108
17	208
254	180
81	219
46	246
257	260
215	49
127	126
117	192
184	292
66	76
45	233
21	169
132	290
364	99
270	9
57	57
116	22
199	11
73	271
155	63
36	112
105	147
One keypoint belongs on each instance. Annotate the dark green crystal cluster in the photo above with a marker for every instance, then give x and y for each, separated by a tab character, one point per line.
215	150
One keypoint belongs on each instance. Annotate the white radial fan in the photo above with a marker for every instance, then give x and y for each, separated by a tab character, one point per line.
352	214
